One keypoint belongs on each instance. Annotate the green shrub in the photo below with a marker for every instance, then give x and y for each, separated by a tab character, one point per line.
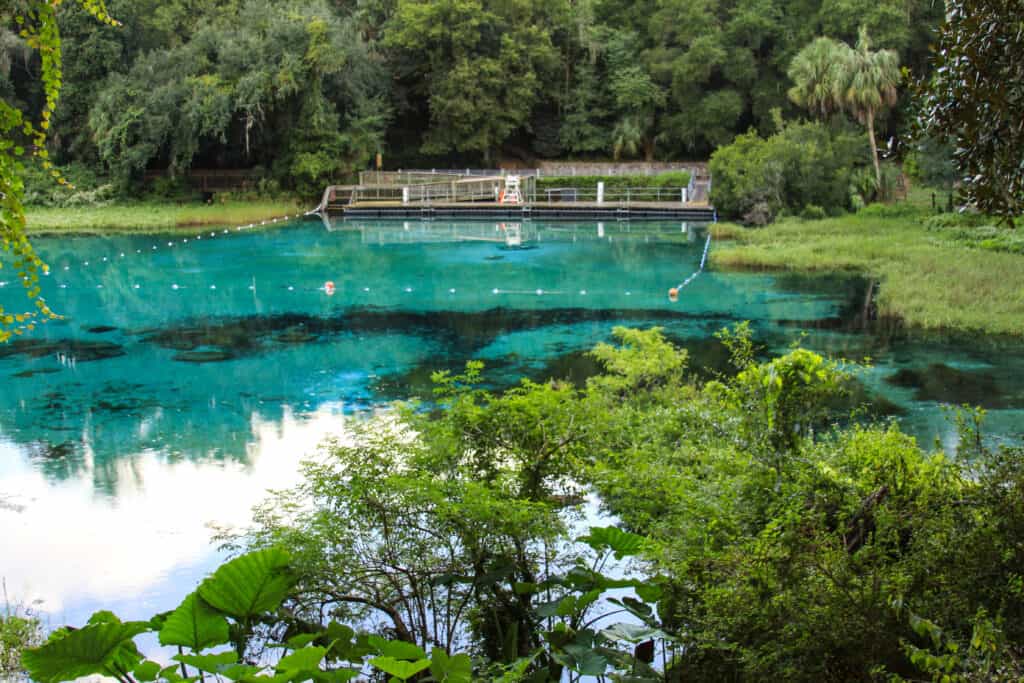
87	188
18	632
804	164
813	212
669	179
897	210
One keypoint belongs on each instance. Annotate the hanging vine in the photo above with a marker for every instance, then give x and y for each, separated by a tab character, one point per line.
23	139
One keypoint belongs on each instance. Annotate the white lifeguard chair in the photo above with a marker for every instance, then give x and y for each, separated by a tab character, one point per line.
513	234
513	193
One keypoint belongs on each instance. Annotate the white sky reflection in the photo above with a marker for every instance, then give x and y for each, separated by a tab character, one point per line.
144	549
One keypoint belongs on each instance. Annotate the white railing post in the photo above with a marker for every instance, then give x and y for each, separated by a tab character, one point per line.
600	192
682	195
405	195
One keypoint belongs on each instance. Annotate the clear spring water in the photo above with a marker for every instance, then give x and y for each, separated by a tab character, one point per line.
187	377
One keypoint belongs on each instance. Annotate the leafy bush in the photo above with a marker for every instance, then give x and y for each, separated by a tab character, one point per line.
19	630
813	212
897	210
804	164
88	189
613	182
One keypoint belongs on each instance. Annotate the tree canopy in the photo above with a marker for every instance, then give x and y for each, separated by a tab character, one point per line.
309	90
974	98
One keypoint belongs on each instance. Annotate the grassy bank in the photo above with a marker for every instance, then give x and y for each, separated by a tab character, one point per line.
153	217
931	277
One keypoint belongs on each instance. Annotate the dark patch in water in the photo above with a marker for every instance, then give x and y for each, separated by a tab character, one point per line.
942	384
494	258
463	333
80	351
101	329
296	335
575	367
51	451
33	373
208	356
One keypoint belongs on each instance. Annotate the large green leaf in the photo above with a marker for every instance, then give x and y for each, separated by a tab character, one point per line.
194	625
454	669
399	649
96	649
632	633
209	663
306	659
622	543
586	660
251	584
398	668
147	671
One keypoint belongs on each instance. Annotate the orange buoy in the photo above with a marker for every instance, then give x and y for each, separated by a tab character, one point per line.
329	288
673	294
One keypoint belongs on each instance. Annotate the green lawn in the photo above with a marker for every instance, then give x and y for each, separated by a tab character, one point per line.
153	217
933	278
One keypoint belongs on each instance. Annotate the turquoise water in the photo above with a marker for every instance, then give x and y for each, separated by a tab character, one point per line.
211	365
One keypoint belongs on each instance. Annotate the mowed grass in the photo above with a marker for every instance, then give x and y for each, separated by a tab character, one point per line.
153	217
928	277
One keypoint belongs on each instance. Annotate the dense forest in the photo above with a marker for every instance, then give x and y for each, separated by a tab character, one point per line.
310	90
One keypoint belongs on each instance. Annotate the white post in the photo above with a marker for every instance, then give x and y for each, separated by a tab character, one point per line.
405	195
600	230
682	193
600	192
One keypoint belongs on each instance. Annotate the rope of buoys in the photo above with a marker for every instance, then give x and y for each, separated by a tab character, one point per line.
20	329
673	293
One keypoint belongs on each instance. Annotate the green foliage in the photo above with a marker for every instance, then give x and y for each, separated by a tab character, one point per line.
247	586
102	647
757	178
974	99
289	87
667	179
830	76
759	522
36	23
770	528
19	630
194	625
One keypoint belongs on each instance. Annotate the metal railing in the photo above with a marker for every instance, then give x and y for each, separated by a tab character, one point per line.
461	190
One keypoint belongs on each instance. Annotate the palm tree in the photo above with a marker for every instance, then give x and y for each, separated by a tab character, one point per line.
817	74
829	75
871	81
627	137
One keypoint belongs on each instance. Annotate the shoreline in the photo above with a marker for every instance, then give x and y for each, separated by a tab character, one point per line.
931	279
146	218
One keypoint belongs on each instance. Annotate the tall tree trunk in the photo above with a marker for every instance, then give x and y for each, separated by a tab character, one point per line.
874	149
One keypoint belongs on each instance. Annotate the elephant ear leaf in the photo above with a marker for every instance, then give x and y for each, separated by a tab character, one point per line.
250	585
621	543
101	648
194	625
